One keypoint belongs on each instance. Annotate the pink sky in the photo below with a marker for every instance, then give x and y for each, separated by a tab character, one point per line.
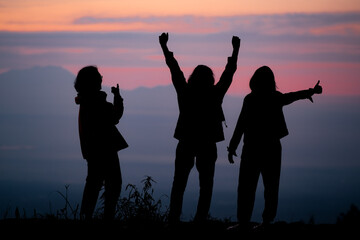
50	15
301	41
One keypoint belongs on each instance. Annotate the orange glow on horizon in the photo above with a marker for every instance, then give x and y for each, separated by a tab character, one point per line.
42	15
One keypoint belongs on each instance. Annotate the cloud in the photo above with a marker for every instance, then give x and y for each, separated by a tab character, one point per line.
299	23
184	24
42	50
301	47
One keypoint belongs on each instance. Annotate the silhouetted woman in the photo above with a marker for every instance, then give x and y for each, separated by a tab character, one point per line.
199	127
100	141
262	124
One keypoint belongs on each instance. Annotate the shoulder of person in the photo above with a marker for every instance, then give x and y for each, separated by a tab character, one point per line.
278	93
249	96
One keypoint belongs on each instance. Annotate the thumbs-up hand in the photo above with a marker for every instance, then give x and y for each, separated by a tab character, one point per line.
317	88
115	90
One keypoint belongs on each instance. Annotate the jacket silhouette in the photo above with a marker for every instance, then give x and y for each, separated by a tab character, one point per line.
100	141
199	127
97	124
262	124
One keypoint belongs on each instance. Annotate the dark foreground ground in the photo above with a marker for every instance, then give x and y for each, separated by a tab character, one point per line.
62	229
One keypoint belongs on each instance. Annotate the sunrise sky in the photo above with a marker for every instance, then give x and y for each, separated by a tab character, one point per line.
302	41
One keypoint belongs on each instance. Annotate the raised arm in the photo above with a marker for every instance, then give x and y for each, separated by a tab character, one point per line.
177	76
163	39
231	66
118	104
235	41
291	97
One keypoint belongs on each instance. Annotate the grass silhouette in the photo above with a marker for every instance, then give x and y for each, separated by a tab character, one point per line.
141	205
140	214
136	205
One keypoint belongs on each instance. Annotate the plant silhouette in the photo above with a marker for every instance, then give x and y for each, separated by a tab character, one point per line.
141	206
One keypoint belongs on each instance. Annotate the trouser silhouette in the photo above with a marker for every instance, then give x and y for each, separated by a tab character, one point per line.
186	153
256	160
102	171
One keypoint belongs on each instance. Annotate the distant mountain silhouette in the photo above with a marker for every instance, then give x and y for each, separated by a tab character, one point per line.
38	112
37	90
49	90
46	92
38	127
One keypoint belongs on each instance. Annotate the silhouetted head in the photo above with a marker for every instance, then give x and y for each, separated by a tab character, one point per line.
88	80
201	77
263	80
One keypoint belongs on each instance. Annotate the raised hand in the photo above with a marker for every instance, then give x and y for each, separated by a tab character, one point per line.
317	88
115	90
235	42
163	38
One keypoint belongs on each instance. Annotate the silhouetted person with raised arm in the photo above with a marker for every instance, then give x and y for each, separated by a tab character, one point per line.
199	127
262	124
100	141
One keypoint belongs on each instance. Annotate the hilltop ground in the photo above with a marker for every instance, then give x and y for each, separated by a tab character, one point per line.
143	218
40	228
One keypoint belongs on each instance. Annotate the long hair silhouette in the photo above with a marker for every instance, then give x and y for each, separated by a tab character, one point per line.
263	80
201	77
88	80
